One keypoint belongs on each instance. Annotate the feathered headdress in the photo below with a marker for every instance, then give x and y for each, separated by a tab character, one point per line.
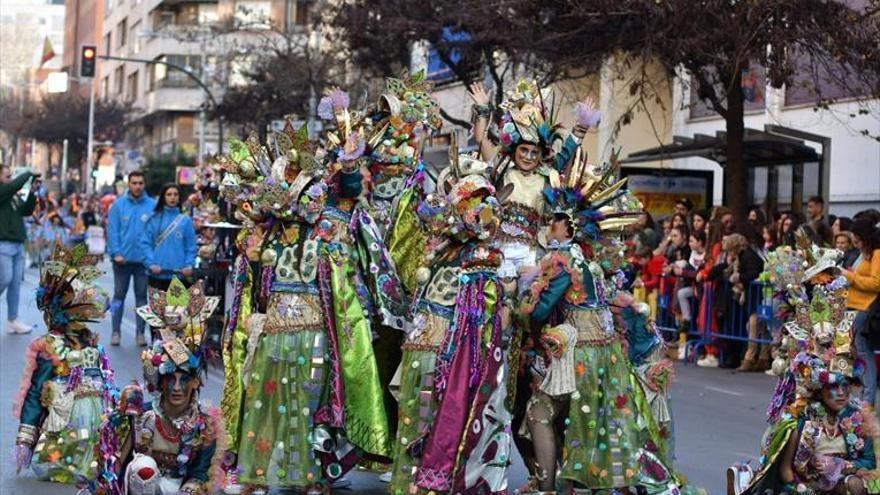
181	315
593	198
67	295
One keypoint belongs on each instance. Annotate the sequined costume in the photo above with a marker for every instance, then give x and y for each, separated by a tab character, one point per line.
454	427
68	381
304	402
808	447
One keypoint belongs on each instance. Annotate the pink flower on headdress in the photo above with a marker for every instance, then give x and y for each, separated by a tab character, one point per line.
353	148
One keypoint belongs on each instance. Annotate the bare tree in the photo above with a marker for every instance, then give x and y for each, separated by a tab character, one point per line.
826	47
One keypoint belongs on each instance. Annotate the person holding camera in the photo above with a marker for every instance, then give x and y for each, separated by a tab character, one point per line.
12	238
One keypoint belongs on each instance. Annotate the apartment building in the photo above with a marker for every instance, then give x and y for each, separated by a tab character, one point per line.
195	35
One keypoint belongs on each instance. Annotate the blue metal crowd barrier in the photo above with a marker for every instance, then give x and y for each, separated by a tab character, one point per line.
706	326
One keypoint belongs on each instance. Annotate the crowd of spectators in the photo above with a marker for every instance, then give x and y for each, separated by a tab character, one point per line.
698	271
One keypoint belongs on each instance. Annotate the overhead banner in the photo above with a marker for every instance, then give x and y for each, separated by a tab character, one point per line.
659	189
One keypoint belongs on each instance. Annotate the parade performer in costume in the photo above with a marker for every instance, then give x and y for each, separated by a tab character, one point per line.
67	379
301	395
822	437
453	433
610	438
526	158
174	444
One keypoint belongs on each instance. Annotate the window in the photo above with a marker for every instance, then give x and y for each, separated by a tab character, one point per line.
298	13
132	93
118	79
437	69
162	76
162	18
754	85
122	32
107	44
253	13
134	35
105	87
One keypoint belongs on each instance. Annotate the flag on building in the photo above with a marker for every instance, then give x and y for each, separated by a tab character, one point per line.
48	52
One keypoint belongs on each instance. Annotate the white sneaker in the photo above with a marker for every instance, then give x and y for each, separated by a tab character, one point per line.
769	372
682	350
385	477
16	326
708	361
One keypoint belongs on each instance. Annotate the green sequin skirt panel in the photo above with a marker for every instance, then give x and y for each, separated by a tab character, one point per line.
602	436
416	408
284	391
68	455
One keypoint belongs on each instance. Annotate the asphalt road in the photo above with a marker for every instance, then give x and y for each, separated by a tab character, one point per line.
719	415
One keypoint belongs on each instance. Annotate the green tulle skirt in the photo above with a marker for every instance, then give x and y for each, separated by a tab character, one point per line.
604	430
285	387
68	455
416	408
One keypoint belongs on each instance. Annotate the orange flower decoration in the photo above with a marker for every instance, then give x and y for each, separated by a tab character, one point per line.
54	456
262	445
580	369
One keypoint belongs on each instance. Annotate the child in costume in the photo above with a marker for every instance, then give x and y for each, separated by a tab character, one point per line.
453	432
67	379
821	438
172	445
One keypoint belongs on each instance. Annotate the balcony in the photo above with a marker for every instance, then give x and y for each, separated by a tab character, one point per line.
173	99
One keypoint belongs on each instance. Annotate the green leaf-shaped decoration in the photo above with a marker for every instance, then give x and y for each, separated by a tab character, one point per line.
177	295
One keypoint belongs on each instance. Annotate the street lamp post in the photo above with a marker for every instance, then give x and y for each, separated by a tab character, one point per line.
90	183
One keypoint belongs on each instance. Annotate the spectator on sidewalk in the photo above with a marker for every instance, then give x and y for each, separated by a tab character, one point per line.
12	238
844	243
864	288
815	210
169	240
699	220
683	207
125	228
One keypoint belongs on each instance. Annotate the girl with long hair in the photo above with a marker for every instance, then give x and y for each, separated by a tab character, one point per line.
169	241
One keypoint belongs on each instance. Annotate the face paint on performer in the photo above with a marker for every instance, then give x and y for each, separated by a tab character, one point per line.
527	157
835	395
178	390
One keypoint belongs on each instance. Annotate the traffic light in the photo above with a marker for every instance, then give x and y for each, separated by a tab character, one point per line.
87	61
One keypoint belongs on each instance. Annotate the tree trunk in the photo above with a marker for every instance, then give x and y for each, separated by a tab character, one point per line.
735	171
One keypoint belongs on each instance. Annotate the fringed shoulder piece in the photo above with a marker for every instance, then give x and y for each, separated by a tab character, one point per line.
40	347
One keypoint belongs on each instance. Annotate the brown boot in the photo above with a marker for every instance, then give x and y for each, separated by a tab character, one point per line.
748	364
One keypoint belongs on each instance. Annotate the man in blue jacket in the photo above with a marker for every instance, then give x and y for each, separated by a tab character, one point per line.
125	228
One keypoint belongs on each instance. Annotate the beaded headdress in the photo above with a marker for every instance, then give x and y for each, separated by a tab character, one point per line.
269	181
181	315
528	117
817	346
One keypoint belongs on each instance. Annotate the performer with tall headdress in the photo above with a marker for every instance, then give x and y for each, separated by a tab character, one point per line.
454	427
302	396
611	440
67	379
173	444
530	149
821	437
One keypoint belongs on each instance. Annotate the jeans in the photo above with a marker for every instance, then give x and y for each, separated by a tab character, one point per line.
122	275
869	380
11	273
685	295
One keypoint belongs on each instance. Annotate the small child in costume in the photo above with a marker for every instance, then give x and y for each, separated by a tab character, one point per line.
67	379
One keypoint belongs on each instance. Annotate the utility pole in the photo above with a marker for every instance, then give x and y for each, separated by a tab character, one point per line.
64	168
90	184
